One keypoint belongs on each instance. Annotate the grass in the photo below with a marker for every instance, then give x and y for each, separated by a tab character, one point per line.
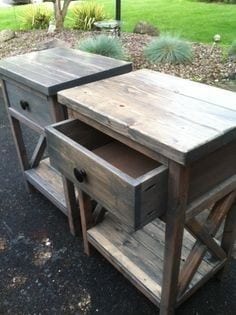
196	21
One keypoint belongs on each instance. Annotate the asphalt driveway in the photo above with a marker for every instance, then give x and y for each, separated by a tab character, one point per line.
43	269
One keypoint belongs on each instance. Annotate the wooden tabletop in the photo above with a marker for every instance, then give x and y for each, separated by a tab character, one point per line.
181	119
51	70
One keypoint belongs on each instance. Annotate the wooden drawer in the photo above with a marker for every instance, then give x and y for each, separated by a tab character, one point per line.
127	183
29	103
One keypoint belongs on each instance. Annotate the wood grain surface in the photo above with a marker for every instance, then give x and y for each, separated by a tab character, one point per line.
182	122
51	70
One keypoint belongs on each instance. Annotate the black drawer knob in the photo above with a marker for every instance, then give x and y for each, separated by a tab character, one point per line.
24	105
79	175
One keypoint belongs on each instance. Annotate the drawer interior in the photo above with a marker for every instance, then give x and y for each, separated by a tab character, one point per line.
124	158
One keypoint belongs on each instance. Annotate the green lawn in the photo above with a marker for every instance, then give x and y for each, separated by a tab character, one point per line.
196	21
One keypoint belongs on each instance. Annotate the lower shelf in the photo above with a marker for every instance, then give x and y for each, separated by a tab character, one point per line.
49	182
139	255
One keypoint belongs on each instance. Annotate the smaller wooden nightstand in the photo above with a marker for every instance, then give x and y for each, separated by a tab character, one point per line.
30	83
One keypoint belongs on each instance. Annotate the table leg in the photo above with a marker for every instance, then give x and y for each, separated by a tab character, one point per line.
86	217
229	236
175	219
72	206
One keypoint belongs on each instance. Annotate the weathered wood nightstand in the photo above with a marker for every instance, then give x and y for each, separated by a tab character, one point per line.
153	148
30	83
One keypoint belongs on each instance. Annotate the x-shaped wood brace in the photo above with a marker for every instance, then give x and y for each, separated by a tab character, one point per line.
205	240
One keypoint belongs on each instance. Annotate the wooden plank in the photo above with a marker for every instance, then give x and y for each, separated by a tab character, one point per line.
229	233
201	233
177	126
139	255
49	182
38	108
69	146
126	159
210	197
38	152
195	90
127	255
86	217
72	206
212	170
132	144
69	67
31	124
214	220
177	199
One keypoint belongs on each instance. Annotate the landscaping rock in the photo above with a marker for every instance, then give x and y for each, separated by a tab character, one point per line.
52	44
143	27
207	66
6	35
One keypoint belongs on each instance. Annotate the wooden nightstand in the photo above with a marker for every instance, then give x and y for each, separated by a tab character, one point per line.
156	152
30	83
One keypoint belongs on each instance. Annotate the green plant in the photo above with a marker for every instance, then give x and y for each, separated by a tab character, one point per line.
35	17
232	49
86	13
168	49
103	45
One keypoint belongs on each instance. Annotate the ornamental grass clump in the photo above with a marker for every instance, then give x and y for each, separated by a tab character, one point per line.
36	17
103	45
86	13
168	49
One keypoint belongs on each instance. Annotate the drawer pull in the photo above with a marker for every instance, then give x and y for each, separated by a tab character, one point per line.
79	174
24	105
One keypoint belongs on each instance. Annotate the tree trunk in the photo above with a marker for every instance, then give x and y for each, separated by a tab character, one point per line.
60	13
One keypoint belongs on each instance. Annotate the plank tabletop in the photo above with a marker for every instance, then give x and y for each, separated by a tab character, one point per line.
51	70
181	119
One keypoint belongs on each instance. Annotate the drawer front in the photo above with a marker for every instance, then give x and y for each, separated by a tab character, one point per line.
30	104
134	201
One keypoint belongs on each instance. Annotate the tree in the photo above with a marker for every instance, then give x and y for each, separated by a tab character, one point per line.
60	12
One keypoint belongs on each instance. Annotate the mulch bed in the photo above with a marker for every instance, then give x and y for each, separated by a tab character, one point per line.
211	67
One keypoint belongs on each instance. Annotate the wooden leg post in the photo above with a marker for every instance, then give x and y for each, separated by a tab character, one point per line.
86	217
72	206
175	218
229	236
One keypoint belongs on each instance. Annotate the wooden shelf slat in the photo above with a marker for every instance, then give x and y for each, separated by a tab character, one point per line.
49	182
139	255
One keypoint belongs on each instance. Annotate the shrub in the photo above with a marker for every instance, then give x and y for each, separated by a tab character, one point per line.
103	45
86	13
232	49
36	17
168	49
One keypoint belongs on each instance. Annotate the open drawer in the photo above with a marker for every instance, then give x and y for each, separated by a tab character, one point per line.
125	182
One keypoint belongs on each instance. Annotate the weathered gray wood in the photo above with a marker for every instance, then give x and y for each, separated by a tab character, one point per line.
139	255
201	233
48	181
177	200
213	222
72	206
55	69
179	127
106	179
38	108
73	114
206	200
99	213
38	152
86	217
31	124
212	170
229	236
